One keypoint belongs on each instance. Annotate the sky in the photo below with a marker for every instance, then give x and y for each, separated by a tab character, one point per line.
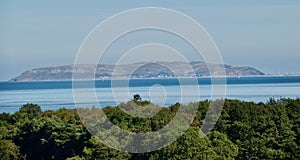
260	33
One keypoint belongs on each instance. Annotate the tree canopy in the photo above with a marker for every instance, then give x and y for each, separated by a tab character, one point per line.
245	130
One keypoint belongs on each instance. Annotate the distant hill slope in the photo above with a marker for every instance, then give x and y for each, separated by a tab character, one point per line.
138	70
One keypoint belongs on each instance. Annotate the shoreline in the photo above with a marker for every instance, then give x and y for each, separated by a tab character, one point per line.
160	78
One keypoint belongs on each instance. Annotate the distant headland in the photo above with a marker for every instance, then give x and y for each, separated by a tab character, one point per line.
138	70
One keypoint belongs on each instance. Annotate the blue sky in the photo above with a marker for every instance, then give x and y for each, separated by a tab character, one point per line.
262	34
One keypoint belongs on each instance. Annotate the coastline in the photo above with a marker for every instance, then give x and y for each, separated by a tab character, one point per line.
143	78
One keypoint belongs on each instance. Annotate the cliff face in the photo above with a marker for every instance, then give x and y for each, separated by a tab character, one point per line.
137	70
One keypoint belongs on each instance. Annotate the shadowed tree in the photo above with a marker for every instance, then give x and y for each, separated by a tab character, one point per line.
137	98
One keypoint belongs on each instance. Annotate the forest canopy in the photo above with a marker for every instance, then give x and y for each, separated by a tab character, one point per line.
244	130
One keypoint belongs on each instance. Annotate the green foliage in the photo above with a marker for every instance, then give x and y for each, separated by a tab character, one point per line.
138	100
51	138
94	149
261	131
245	130
222	146
189	146
32	110
8	150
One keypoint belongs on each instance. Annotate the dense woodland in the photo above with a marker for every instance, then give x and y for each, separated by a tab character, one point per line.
245	130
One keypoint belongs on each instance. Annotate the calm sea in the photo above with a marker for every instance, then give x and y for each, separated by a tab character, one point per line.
54	95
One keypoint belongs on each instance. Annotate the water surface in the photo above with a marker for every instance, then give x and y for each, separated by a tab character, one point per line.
54	95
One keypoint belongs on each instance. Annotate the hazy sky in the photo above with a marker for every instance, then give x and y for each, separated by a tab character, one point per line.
262	34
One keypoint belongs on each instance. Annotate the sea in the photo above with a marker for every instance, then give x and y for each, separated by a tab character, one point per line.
165	92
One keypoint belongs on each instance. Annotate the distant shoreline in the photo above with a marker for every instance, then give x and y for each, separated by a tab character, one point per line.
202	77
143	70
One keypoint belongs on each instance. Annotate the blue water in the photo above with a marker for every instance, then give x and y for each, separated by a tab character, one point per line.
54	95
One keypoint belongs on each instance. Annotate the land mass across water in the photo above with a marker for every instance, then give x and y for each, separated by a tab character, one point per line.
135	70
